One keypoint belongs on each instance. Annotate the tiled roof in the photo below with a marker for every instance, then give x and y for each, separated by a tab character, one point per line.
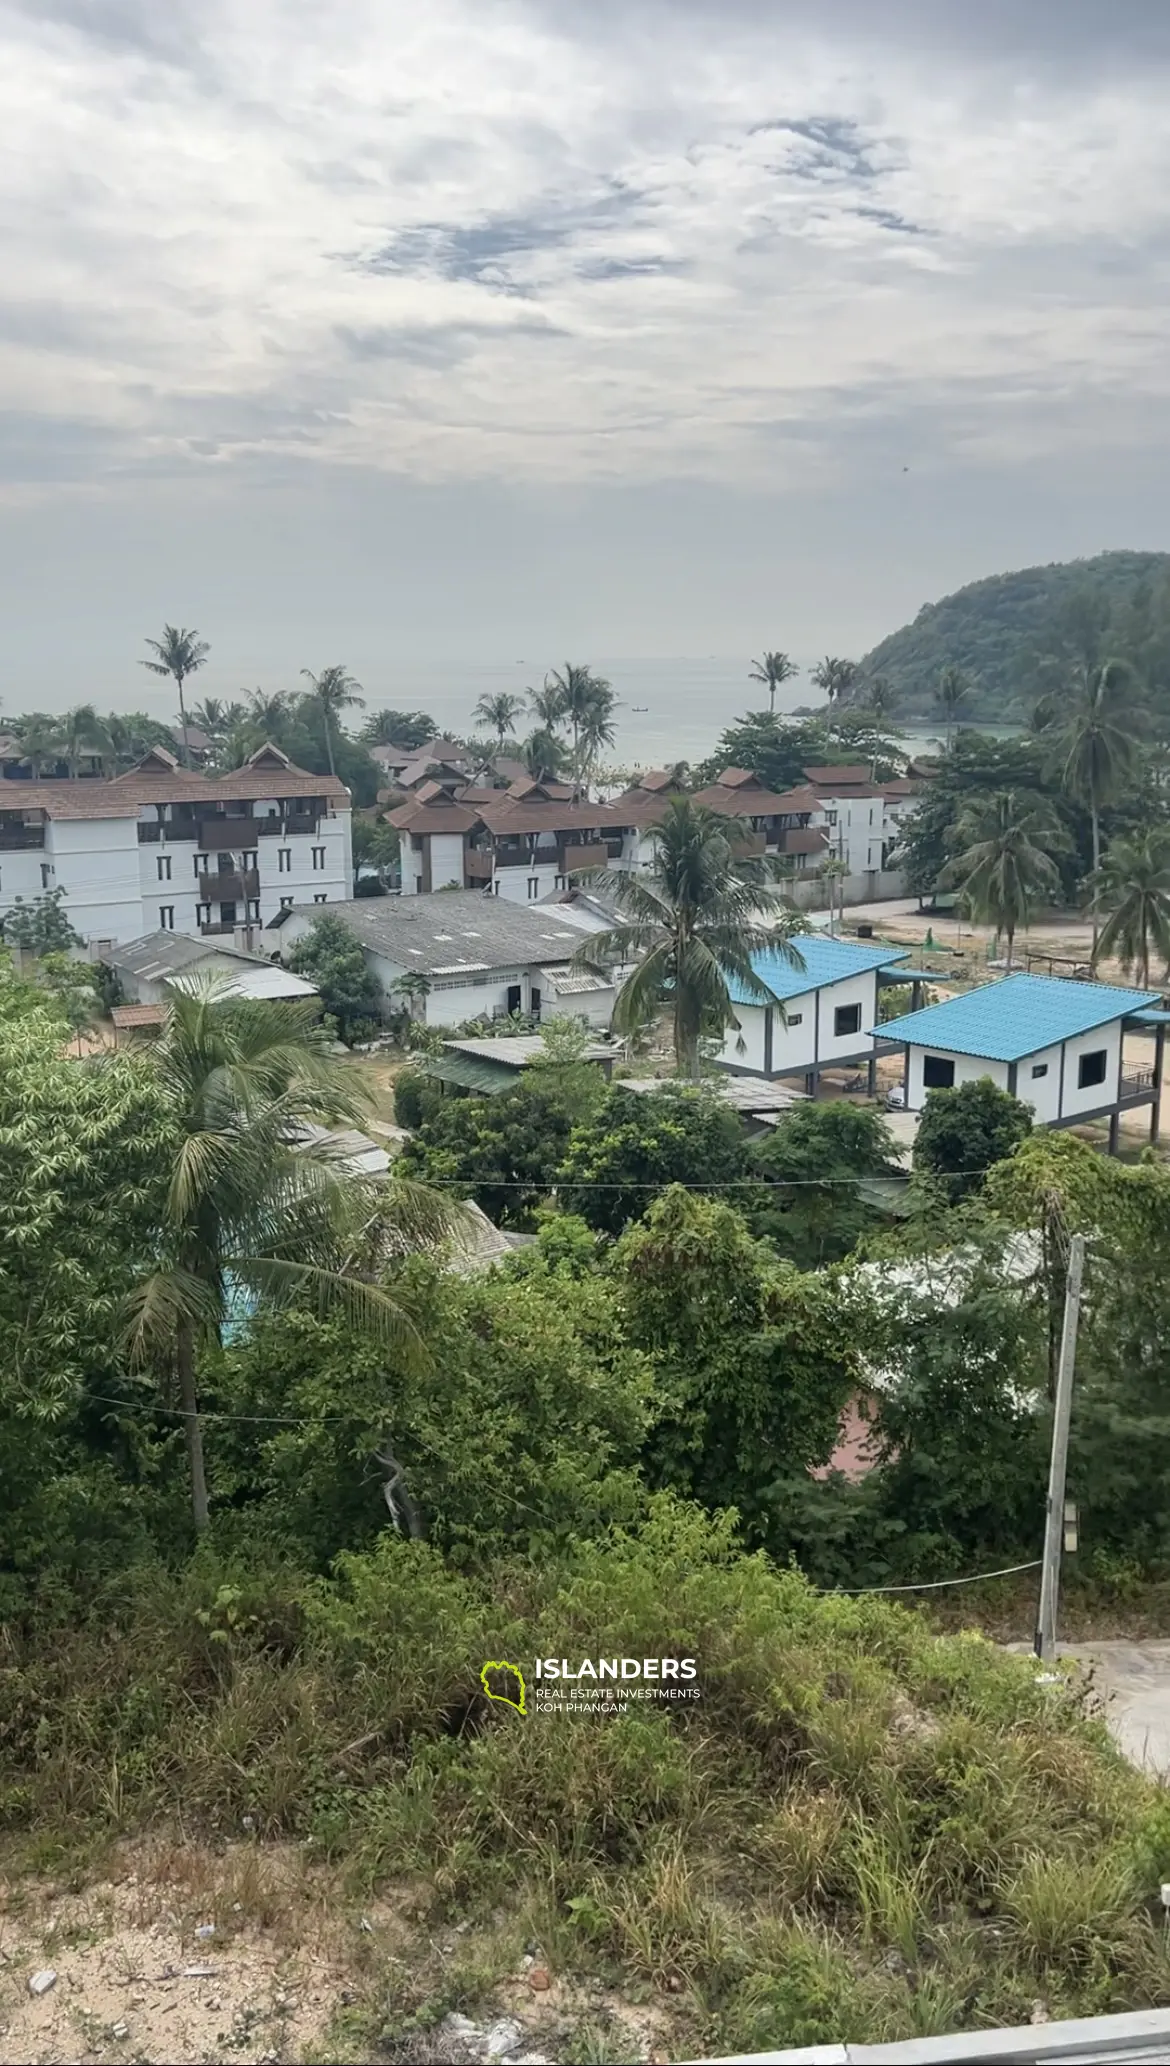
755	801
157	779
850	775
825	961
1003	1022
442	815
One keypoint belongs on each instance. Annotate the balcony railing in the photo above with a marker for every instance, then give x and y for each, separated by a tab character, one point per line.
215	833
1134	1082
214	884
479	864
595	855
15	839
508	857
149	833
181	828
208	930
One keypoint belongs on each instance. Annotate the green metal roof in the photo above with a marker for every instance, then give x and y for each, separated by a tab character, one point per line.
472	1074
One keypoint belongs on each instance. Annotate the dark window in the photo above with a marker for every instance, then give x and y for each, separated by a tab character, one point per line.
796	1018
200	864
166	917
227	914
284	859
321	897
318	857
938	1072
252	858
164	867
1091	1068
847	1019
534	1006
533	887
1039	1069
286	903
226	863
513	1000
254	908
203	914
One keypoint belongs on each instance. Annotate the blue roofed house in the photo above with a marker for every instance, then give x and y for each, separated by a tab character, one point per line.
823	1014
1056	1044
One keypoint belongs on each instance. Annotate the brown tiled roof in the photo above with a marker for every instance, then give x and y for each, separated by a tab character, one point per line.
157	780
900	786
512	815
756	801
443	816
82	799
851	776
811	839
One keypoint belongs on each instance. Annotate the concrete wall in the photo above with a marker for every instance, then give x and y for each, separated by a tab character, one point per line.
808	1040
95	861
968	1069
1042	1092
1093	1096
811	892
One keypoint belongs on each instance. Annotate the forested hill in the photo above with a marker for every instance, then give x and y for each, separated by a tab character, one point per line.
1002	630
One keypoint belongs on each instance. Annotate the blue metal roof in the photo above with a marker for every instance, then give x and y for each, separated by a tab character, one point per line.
1003	1022
825	961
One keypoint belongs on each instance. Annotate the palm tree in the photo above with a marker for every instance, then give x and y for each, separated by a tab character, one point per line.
179	653
1004	862
587	704
1134	889
41	741
128	734
82	733
547	705
335	690
251	1206
771	672
834	678
498	714
1096	746
881	698
265	713
544	756
211	716
953	689
691	926
597	729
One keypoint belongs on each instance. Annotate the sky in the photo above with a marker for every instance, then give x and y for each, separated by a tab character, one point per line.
426	338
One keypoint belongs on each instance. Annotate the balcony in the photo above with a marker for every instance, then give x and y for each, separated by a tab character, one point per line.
478	865
748	843
15	839
180	828
210	931
214	884
215	833
302	824
149	834
269	828
508	857
574	858
1136	1083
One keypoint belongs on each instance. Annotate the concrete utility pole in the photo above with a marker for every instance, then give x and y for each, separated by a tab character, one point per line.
1054	1520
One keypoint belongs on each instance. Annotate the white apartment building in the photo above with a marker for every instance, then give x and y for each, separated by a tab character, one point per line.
165	849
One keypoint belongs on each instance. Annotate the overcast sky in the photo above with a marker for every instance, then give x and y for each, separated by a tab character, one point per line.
435	332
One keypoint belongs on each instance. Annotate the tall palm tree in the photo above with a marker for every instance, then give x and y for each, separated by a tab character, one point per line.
881	698
1095	746
597	730
771	672
41	741
1004	862
179	653
587	702
211	716
952	692
335	690
547	705
498	714
266	711
691	926
82	733
1133	889
834	678
251	1207
544	755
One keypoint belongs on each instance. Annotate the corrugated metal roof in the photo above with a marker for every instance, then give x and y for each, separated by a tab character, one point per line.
825	961
575	982
1003	1022
471	1073
454	927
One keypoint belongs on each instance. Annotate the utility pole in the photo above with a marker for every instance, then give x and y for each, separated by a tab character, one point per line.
1054	1520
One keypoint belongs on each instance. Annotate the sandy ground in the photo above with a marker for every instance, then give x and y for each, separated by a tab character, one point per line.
1134	1680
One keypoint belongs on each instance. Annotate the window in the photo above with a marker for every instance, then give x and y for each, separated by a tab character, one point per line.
796	1018
318	857
164	867
533	887
200	865
46	874
846	1019
286	903
1039	1069
830	817
418	889
166	917
938	1072
226	862
251	858
560	882
1091	1068
321	897
227	914
283	859
203	914
253	907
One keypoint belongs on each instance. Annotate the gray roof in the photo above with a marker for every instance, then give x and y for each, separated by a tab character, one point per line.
755	1095
454	930
159	956
517	1050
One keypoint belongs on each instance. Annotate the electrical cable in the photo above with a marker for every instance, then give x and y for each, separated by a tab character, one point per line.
932	1585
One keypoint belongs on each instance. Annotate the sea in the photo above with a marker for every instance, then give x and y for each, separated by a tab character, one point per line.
667	710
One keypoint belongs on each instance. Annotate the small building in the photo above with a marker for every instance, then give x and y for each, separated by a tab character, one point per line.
1057	1045
823	1015
471	956
491	1066
149	967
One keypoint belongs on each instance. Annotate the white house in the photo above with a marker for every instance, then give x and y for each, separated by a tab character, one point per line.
1057	1045
478	955
822	1015
147	968
167	849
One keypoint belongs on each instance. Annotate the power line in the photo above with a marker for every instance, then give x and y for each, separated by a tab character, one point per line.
934	1585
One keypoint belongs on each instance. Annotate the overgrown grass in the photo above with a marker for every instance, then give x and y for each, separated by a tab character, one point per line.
861	1830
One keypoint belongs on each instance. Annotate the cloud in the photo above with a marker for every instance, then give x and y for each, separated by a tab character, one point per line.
524	241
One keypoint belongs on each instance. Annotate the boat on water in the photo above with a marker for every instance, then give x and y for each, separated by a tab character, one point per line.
639	709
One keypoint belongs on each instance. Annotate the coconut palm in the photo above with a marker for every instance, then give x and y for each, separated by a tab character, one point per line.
335	690
771	671
952	692
41	741
1095	746
1133	889
881	698
834	678
128	734
82	735
1004	862
544	755
498	714
547	705
179	653
265	712
212	717
690	926
587	705
252	1207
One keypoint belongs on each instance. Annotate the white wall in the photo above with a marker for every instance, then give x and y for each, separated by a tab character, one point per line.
1041	1092
513	883
96	863
1097	1094
446	859
861	990
745	1049
594	1005
968	1069
808	1039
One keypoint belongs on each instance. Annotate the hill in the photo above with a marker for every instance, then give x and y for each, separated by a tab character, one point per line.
1000	630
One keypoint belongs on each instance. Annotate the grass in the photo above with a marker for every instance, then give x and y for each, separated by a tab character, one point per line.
862	1830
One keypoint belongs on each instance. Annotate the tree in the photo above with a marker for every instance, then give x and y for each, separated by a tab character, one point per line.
544	756
691	926
965	1130
974	769
547	704
811	1166
41	927
498	714
331	957
41	741
586	703
954	687
1096	745
1004	865
212	717
755	1361
335	690
772	671
1133	890
266	713
502	1151
82	733
881	698
252	1206
179	653
375	845
635	1145
408	728
835	678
